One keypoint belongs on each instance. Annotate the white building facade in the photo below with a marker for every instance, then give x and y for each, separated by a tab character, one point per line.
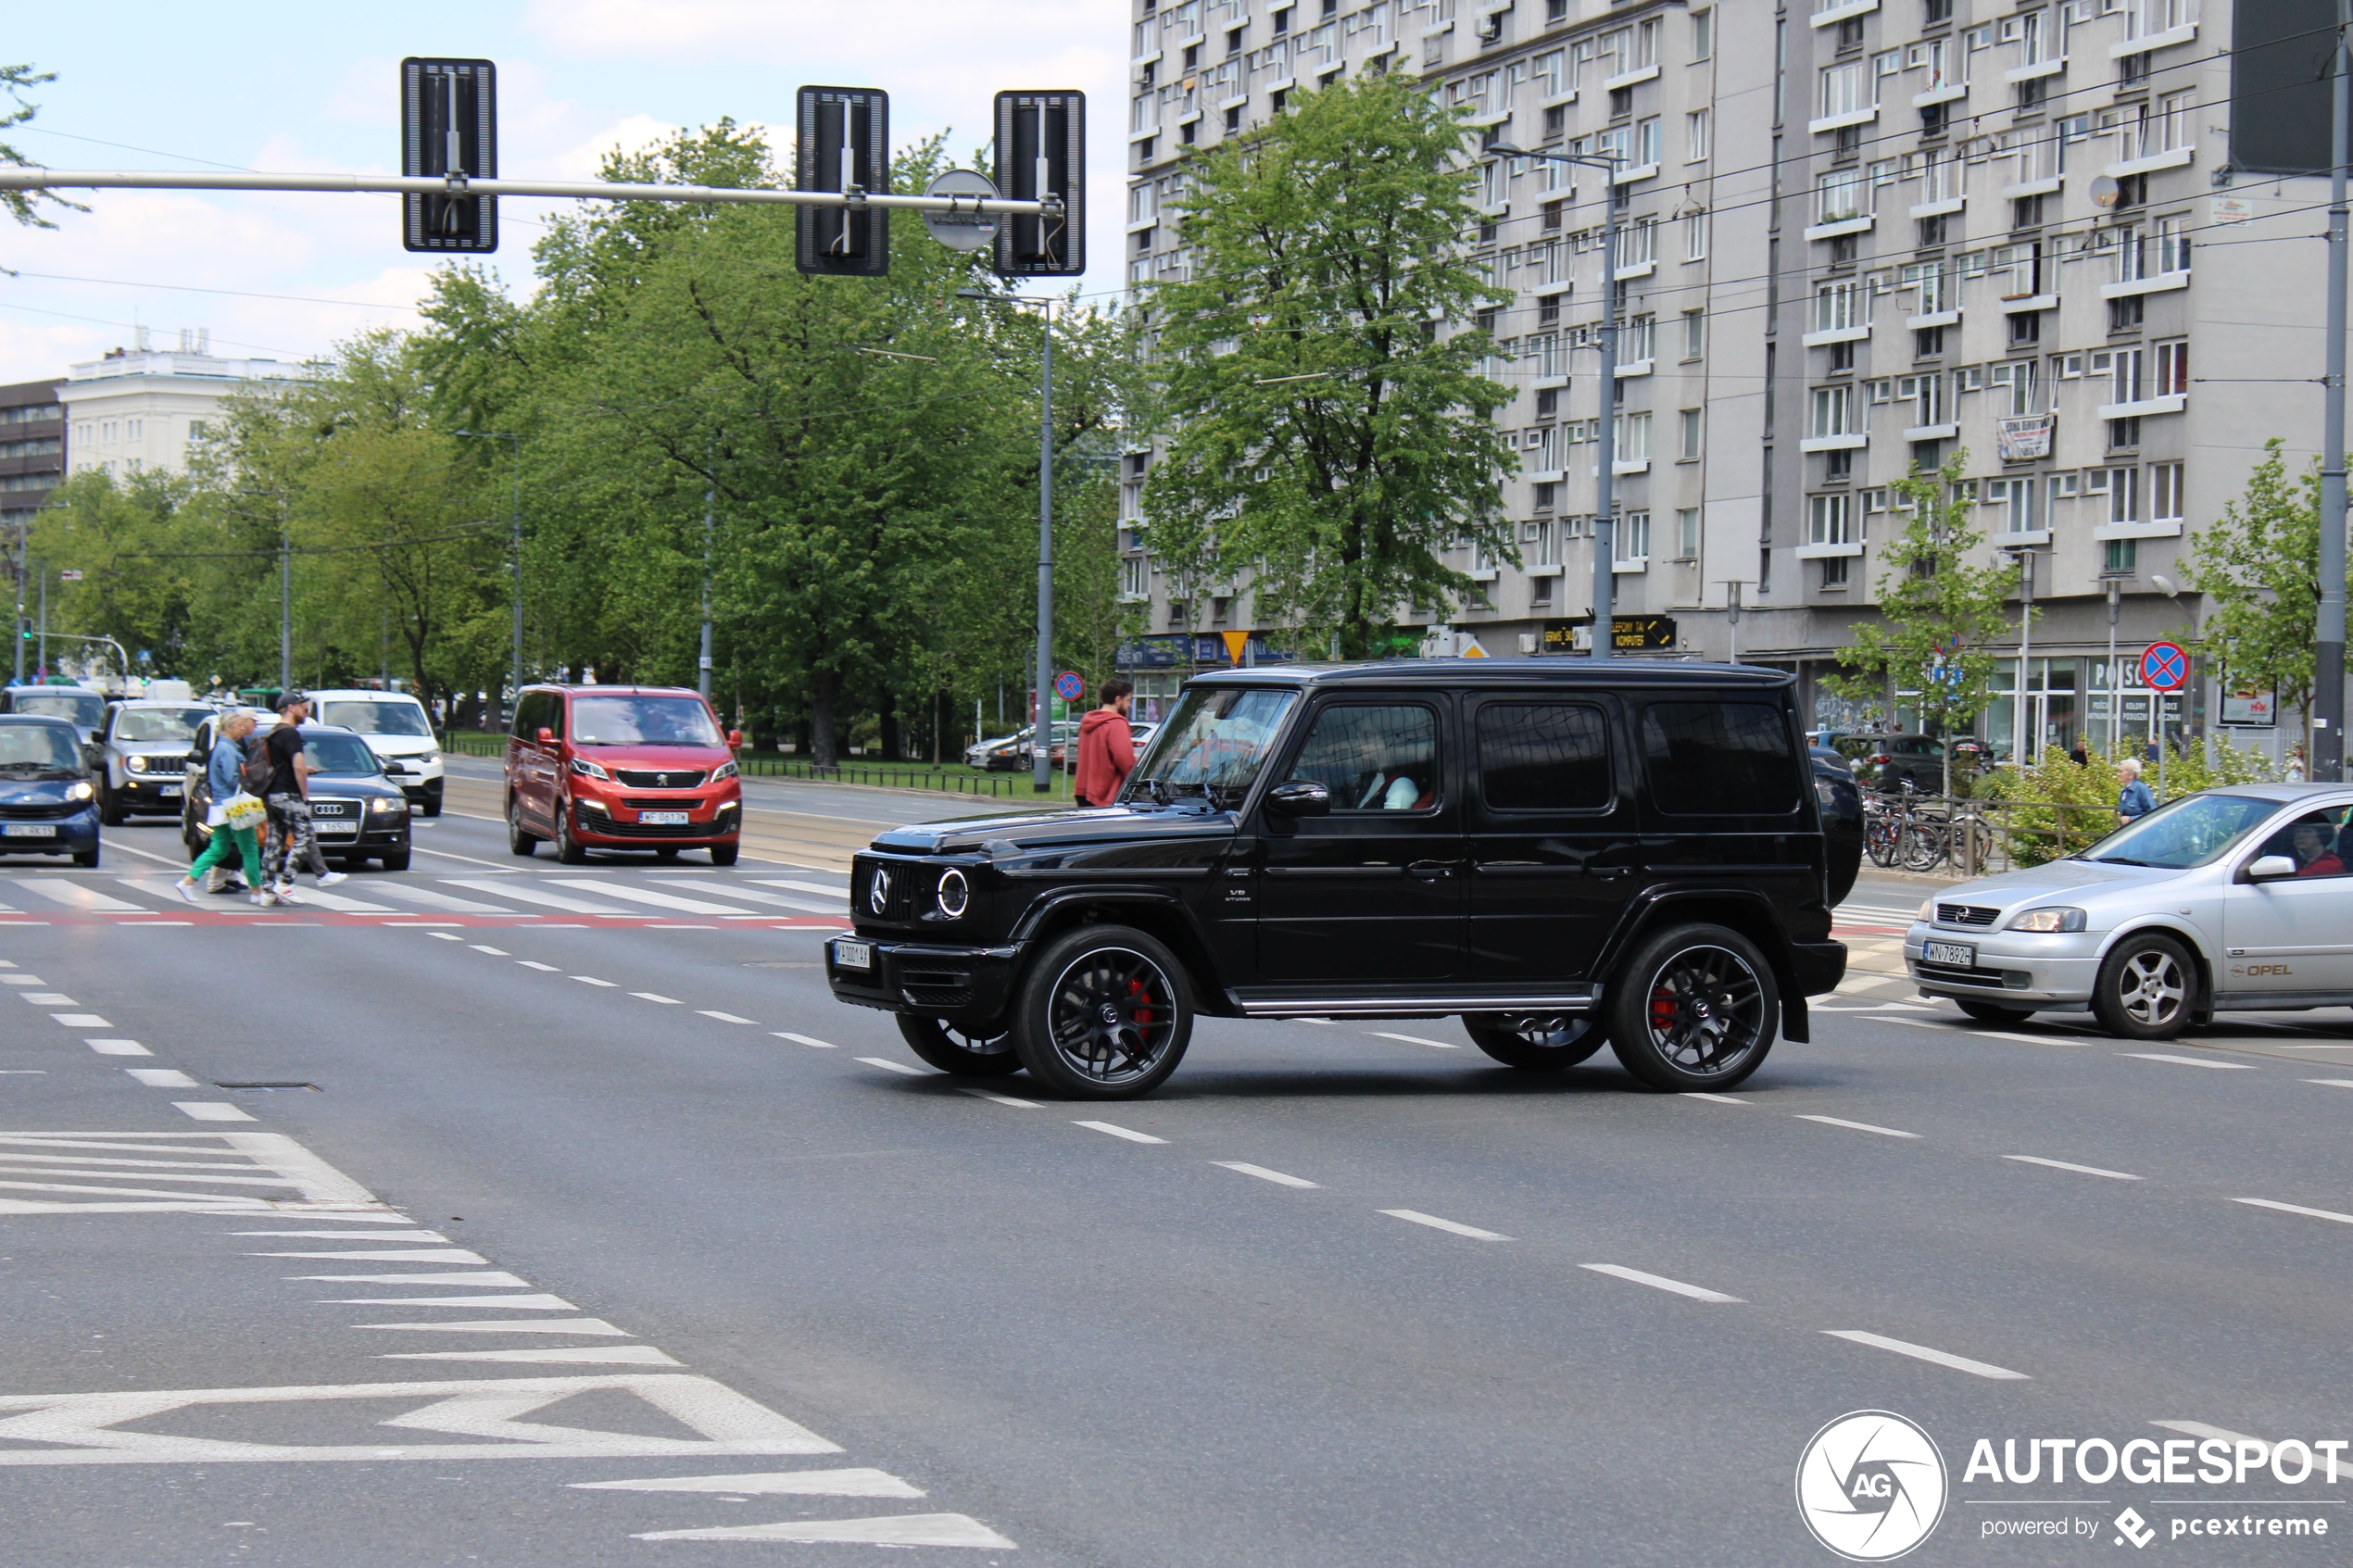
140	409
1857	236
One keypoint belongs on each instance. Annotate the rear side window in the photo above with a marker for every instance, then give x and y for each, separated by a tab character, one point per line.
1543	756
1719	758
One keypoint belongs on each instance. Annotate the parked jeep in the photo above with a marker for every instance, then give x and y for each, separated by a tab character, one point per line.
1564	854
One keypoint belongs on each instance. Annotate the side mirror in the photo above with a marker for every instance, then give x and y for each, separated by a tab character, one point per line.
1301	797
735	740
547	737
2270	868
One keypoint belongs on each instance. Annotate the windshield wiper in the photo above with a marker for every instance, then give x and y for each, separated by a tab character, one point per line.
2120	861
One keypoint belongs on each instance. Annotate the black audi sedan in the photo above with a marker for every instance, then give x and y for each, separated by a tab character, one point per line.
357	812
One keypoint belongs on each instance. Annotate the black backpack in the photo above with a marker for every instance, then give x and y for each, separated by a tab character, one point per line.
254	772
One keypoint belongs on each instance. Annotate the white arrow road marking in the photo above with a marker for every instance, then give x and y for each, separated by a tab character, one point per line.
774	1483
906	1529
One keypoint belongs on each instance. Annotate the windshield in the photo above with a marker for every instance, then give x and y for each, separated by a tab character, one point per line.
27	749
158	723
1215	741
85	709
642	720
339	754
2189	832
377	718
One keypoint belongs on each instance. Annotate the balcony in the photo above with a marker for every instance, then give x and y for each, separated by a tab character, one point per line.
2186	33
2161	284
1938	208
1837	226
2144	408
1829	12
1837	334
1933	433
2016	305
1933	318
2036	72
1822	552
2175	158
1851	441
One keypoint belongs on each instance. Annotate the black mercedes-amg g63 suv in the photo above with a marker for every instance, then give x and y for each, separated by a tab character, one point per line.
1562	853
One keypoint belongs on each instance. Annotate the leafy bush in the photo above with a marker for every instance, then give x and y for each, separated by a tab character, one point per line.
2059	808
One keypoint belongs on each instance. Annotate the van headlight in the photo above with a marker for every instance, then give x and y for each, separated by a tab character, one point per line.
2047	919
724	770
955	895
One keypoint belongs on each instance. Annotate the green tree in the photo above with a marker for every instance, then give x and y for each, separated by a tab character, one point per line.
14	80
1939	615
1327	439
2257	567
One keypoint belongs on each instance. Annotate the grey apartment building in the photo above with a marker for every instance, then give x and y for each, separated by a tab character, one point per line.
1855	235
33	460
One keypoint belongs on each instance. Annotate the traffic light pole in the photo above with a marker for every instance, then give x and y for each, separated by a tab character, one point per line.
1041	776
19	638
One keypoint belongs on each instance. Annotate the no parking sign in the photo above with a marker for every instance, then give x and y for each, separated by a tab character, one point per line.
2165	667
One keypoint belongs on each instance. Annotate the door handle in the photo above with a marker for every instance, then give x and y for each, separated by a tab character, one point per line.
1430	871
1609	874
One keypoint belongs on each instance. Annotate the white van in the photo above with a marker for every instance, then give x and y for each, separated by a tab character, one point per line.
399	731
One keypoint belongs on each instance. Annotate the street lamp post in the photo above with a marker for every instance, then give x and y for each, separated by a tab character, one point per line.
1041	743
1605	490
514	533
2023	733
2328	701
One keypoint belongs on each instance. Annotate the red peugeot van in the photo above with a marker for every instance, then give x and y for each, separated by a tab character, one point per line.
621	768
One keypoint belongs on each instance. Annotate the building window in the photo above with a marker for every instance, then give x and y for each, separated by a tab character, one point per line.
1834	411
1703	34
2165	492
1834	307
1695	236
1831	518
1634	438
2172	368
1132	577
1691	434
1635	537
2123	558
1545	494
1687	533
2123	496
1694	334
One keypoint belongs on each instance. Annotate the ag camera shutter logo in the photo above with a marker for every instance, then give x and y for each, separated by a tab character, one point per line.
1871	1486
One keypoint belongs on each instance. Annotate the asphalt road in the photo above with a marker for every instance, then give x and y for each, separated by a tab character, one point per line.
591	1225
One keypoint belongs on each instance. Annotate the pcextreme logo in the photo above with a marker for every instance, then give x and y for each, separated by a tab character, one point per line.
1870	1486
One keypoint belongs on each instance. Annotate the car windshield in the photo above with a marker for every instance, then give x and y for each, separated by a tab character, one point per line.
35	750
339	754
642	720
1214	742
85	709
2193	831
377	718
158	723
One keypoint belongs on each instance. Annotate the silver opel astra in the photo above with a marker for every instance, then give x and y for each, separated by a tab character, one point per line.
2236	898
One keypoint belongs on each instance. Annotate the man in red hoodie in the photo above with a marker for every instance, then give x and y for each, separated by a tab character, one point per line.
1107	751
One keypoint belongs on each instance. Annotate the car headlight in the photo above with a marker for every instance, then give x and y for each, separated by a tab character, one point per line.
136	764
2052	919
586	769
594	806
80	791
1928	909
426	759
386	805
724	770
955	895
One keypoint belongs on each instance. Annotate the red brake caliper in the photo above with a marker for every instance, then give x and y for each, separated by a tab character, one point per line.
1663	1010
1142	1010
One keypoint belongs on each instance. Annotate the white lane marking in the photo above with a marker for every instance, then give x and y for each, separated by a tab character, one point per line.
74	895
492	1416
533	896
1921	1352
2297	1209
1412	1039
22	980
1263	1174
657	997
727	1017
210	1110
591	1327
998	1098
533	1303
117	844
2333	1083
804	905
592	980
571	1355
117	1048
890	1065
25	1071
426	896
493	952
785	1483
2200	1429
2189	1060
897	1529
350	1236
644	896
1858	1126
542	968
2079	1169
445	937
391	1255
49	999
1434	1223
841	893
1958	1032
806	1040
342	903
1115	1130
495	1279
1660	1282
445	855
80	1021
1701	1094
162	1077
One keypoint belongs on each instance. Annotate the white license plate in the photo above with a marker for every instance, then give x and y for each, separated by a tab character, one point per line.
169	791
855	955
1960	955
672	818
28	829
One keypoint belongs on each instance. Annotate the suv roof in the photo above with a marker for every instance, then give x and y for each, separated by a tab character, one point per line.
359	694
613	689
1555	672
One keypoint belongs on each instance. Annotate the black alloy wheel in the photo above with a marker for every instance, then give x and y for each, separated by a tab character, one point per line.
519	842
568	848
960	1051
1698	1009
1538	1042
2147	988
1104	1014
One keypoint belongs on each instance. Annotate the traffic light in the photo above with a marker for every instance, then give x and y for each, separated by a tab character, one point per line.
449	125
1041	148
843	143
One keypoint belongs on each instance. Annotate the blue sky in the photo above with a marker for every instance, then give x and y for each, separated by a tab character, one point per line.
289	87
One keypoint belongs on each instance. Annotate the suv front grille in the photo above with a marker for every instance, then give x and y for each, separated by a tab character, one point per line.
635	778
1965	914
885	890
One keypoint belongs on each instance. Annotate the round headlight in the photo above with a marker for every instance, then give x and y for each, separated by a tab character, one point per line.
136	764
955	895
80	791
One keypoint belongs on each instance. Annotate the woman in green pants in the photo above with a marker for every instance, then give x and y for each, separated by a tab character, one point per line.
232	825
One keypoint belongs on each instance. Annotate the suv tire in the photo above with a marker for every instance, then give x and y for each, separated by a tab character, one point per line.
568	850
1994	1012
957	1052
111	813
1698	1008
1536	1041
517	841
1105	1012
2148	987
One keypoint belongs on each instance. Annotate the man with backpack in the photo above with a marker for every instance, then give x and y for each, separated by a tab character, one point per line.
285	790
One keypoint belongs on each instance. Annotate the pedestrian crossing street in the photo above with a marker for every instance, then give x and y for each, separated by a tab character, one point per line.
624	895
